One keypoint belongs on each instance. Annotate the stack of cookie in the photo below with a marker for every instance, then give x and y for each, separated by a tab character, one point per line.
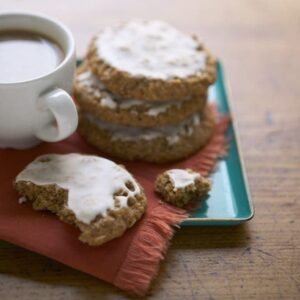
142	92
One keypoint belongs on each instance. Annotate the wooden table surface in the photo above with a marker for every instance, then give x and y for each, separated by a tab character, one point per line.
259	44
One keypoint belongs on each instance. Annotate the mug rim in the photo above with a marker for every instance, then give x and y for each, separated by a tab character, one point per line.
43	17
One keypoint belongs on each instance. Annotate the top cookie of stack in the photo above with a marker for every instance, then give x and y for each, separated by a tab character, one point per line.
142	92
151	61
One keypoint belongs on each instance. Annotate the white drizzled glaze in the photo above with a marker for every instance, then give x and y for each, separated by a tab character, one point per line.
91	182
85	76
181	178
129	103
89	80
108	102
155	110
106	99
171	133
150	48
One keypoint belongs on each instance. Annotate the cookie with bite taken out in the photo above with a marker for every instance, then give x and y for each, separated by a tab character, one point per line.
96	195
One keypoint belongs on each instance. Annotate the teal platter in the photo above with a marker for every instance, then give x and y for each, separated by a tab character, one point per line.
229	202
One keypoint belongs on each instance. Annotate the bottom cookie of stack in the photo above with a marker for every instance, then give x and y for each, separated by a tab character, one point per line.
158	145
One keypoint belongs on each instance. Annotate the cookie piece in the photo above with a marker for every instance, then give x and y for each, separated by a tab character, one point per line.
151	60
159	145
98	196
179	187
93	97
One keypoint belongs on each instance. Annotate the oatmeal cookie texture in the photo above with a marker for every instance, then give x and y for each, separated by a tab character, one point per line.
151	60
98	196
158	145
179	187
94	98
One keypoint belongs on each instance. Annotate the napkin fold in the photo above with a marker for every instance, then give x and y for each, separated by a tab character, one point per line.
129	262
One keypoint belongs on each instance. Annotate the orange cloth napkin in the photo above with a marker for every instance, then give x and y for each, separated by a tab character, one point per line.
129	262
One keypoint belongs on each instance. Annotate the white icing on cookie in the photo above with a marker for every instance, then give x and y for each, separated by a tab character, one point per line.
155	110
152	49
108	102
89	80
97	88
182	178
129	103
91	182
171	133
84	77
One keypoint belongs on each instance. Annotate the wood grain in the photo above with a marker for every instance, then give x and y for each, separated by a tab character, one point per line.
258	42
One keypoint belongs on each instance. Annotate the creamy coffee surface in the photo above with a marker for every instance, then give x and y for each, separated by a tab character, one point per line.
26	55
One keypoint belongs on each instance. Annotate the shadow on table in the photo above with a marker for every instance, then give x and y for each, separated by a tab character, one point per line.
206	237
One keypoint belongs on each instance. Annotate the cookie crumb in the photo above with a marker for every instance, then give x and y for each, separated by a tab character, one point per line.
179	186
22	200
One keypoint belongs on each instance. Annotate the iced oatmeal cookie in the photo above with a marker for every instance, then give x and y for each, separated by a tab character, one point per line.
94	98
151	60
158	145
179	187
98	196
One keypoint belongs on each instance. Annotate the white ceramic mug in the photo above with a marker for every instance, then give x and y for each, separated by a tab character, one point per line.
40	109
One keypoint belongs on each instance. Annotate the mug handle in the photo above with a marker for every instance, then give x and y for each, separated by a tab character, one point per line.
62	107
